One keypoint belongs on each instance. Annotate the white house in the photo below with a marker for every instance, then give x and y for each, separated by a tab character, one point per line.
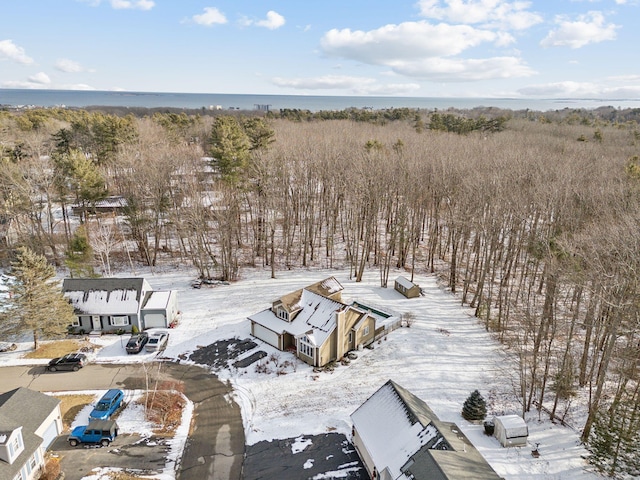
29	422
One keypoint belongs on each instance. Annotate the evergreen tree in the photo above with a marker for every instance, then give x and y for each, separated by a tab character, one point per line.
475	407
230	148
34	301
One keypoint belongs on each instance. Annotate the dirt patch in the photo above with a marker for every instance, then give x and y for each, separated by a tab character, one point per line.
60	348
70	406
223	353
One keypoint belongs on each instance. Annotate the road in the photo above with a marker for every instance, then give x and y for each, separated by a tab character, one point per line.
215	447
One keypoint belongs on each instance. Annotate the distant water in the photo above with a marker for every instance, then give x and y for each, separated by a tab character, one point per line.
314	103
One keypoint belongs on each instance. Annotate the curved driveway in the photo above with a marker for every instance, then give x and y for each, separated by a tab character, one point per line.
215	447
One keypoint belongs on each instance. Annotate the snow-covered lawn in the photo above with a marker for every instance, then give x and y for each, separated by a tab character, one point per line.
442	358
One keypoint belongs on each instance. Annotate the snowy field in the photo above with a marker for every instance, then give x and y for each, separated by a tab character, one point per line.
441	358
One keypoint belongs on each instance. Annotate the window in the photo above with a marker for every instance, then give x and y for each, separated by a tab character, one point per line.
366	330
305	347
282	313
76	322
350	337
119	321
16	445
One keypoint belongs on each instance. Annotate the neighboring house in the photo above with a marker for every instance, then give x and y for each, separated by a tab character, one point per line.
29	422
510	430
398	436
407	287
112	304
113	204
315	324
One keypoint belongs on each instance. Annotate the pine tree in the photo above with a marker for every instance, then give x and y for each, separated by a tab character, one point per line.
475	407
34	301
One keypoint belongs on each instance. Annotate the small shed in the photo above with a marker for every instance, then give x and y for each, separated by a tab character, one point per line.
407	287
511	430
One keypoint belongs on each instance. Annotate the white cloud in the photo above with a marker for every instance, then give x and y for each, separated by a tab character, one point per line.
132	5
496	13
40	78
570	89
423	50
464	70
210	17
588	28
324	82
11	51
124	4
356	85
409	40
273	21
68	66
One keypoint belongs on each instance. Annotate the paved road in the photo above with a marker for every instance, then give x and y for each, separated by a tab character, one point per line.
215	447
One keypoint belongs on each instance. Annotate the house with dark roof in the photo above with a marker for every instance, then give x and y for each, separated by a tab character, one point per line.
110	304
29	422
398	436
314	323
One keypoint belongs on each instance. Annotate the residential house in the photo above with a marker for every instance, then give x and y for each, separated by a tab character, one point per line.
113	204
407	287
29	422
110	304
398	436
314	323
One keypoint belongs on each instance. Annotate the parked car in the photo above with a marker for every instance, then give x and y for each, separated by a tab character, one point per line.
107	405
157	342
70	361
137	342
7	347
102	432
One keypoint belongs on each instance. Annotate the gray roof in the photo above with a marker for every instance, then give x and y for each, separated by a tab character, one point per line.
29	409
25	407
103	284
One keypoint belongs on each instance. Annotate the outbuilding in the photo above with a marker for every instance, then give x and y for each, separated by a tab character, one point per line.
511	430
407	287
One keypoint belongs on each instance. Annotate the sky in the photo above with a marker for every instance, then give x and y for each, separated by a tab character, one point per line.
444	356
415	48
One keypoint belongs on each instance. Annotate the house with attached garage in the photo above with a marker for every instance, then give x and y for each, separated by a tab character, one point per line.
314	323
104	305
399	437
29	422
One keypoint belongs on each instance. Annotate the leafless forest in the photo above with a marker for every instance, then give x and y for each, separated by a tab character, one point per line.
534	225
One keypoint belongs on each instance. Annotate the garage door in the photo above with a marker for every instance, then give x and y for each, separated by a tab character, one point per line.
265	335
152	320
50	434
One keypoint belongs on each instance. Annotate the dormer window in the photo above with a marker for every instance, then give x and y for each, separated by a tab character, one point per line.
283	314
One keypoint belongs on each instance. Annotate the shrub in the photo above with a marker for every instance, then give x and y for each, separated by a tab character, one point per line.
475	407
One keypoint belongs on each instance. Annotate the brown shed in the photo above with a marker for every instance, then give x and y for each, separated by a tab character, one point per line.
407	287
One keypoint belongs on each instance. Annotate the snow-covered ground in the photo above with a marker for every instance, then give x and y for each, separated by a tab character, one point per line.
442	358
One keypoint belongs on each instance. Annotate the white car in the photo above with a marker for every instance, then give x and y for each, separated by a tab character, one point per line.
157	342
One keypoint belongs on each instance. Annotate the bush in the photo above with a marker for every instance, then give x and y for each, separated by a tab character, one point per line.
134	330
475	407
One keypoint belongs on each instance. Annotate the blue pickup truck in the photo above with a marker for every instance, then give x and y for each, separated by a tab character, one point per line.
100	432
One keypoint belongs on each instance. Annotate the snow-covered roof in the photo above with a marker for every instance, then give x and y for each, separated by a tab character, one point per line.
392	430
326	287
405	282
514	425
158	300
316	316
105	296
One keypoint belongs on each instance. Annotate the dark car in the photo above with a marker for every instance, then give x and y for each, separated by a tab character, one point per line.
137	342
71	361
